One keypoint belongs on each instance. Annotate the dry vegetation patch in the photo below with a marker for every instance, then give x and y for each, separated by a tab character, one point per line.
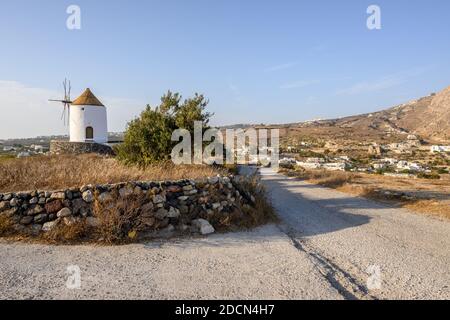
68	171
419	195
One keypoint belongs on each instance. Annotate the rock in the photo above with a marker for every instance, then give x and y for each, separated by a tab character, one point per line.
14	202
7	197
203	200
53	206
203	226
126	191
67	203
88	196
183	198
58	195
213	180
34	200
161	213
84	188
190	192
188	188
159	199
173	213
69	195
35	210
93	222
4	205
147	208
41	200
64	212
26	220
184	209
105	197
77	204
174	189
40	218
215	205
166	232
48	226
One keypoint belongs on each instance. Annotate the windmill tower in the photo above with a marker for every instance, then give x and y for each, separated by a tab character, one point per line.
86	115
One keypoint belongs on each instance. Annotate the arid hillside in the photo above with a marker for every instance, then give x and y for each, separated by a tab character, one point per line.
427	117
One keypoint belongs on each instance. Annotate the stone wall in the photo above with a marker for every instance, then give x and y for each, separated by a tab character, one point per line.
185	205
67	147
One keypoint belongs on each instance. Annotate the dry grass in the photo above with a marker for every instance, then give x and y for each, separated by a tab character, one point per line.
330	179
117	218
6	226
261	211
63	233
374	187
69	171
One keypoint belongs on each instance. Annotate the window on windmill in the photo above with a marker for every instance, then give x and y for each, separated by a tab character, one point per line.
89	133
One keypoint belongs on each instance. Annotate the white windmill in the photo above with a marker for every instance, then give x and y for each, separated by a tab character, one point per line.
87	117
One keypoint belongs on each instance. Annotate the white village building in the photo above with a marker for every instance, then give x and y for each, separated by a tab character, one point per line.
440	149
88	122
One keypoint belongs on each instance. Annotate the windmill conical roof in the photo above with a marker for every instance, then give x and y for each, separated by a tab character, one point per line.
87	98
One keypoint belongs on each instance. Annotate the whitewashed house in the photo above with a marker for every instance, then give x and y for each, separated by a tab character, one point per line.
440	149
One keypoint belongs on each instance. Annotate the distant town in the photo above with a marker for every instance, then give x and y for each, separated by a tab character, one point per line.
410	159
21	148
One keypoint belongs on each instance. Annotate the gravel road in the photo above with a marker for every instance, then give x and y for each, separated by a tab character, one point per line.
365	249
329	245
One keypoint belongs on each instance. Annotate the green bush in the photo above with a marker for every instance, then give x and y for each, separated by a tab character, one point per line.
147	139
423	175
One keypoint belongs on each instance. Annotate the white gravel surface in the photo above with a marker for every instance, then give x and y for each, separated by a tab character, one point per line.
329	245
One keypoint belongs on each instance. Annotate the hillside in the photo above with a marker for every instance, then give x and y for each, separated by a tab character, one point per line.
427	117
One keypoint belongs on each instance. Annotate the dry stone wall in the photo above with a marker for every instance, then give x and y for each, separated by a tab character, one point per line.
168	206
67	147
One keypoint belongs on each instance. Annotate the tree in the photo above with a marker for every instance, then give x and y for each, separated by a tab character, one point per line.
148	138
192	109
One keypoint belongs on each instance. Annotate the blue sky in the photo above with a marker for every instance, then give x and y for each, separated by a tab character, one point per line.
257	61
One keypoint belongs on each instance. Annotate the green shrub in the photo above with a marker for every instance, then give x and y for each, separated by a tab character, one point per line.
147	139
423	175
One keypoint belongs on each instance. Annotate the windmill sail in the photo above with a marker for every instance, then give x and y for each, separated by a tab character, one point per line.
65	101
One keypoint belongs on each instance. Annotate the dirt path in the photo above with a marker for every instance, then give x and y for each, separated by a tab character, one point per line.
261	264
350	237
